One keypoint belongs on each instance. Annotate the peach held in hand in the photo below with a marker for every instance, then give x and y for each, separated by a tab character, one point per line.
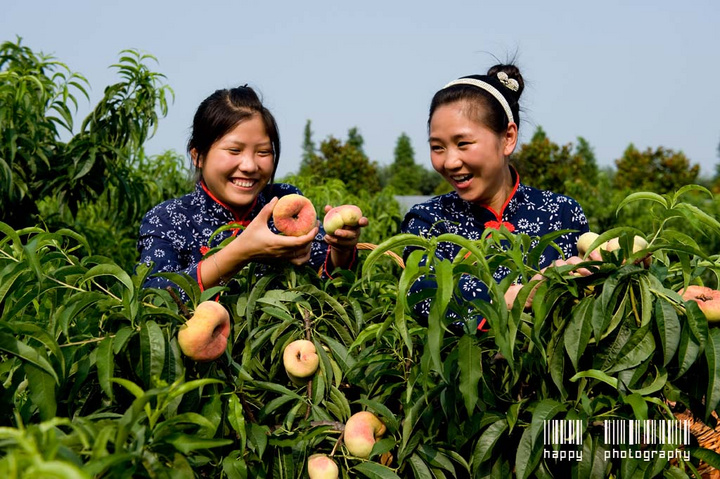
204	336
294	215
322	467
341	216
361	432
584	242
707	298
300	360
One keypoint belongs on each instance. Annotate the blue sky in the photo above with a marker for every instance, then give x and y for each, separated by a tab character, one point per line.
613	72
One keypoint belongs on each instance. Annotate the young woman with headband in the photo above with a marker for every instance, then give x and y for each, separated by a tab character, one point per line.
473	129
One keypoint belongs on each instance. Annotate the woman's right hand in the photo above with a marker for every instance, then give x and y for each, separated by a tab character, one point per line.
258	242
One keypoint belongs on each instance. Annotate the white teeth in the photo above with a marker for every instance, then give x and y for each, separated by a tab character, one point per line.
243	183
461	178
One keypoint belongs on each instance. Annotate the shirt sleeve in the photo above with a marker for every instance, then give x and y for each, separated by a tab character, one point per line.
165	250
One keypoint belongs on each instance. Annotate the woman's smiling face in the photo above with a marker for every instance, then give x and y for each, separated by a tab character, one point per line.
471	157
239	165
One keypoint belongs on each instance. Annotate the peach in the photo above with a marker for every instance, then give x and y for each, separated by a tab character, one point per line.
294	215
204	336
321	466
300	360
707	298
361	432
584	242
341	216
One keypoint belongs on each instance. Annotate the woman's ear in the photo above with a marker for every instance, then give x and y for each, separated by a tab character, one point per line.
197	162
511	138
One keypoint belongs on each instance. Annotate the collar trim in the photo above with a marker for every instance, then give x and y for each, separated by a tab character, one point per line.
241	220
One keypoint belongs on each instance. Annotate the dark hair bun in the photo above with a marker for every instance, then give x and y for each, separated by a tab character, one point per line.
512	72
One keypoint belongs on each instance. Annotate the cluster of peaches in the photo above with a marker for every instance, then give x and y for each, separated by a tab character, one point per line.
708	299
204	336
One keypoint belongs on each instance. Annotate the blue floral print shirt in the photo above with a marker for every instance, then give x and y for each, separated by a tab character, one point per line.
528	210
175	235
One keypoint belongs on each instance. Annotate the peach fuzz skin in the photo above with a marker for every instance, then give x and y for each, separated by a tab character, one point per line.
707	298
361	432
205	335
340	216
300	360
321	466
294	215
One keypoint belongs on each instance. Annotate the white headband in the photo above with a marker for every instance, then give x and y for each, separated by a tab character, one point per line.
488	88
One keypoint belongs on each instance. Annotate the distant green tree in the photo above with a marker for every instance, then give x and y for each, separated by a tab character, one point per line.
407	177
549	166
716	179
430	181
355	140
308	149
661	170
346	162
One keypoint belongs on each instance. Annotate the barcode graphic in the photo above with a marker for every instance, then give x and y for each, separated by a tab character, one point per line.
563	431
651	431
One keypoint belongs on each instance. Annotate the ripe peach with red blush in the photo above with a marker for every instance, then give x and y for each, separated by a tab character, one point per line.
341	216
300	360
707	298
321	466
294	215
362	430
204	336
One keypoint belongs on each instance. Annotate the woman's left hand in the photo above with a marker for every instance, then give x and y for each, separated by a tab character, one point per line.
343	241
347	237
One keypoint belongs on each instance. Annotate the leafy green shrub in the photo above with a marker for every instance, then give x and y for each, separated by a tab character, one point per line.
93	379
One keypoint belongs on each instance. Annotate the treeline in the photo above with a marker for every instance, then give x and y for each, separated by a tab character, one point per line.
100	181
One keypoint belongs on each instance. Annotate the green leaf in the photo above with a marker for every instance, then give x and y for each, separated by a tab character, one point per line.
470	364
181	389
638	405
110	270
187	443
595	374
42	391
438	307
397	241
258	437
105	363
484	448
373	470
528	455
420	469
629	358
544	411
236	418
688	350
14	346
712	355
643	195
579	329
152	351
657	384
668	328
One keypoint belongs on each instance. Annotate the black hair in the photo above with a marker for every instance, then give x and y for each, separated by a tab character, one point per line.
481	105
221	112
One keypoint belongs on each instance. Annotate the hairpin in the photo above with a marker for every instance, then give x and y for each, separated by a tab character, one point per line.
509	83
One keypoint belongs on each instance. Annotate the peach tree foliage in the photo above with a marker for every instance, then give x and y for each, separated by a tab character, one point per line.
38	99
93	383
